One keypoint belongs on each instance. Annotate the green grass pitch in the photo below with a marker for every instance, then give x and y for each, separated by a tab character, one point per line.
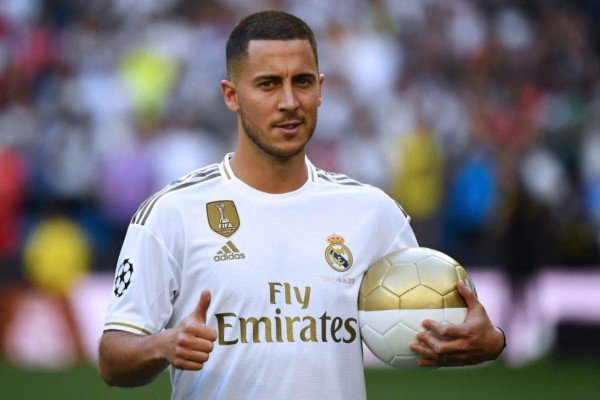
573	379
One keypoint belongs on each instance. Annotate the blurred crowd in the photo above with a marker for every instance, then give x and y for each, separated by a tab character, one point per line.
480	117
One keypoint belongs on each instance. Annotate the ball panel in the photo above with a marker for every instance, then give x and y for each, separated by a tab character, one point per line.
401	278
461	273
421	297
361	302
399	338
374	276
455	315
464	276
381	299
408	255
454	300
384	321
414	318
405	362
437	274
379	321
377	344
445	257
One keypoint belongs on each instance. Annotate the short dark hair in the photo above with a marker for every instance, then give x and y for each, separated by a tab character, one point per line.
265	25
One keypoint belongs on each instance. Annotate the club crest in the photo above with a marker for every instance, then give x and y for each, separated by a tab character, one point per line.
223	217
337	254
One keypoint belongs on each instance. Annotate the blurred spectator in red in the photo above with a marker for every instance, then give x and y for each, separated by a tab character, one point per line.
12	193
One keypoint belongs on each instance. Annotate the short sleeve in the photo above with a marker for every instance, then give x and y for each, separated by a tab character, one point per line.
145	285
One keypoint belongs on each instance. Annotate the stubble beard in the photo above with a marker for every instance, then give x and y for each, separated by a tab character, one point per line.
257	135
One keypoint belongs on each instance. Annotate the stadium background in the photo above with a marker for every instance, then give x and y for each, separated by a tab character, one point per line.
479	117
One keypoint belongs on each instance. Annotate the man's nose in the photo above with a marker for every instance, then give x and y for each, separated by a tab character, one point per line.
288	100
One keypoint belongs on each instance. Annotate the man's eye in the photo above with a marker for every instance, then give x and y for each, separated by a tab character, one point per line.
266	84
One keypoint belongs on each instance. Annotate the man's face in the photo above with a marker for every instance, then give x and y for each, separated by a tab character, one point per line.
276	93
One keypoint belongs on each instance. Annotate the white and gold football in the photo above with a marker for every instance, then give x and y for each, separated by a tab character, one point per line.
402	289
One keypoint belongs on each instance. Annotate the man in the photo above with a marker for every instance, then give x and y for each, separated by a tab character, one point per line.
243	276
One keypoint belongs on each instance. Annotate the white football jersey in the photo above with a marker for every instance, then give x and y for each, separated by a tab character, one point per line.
284	272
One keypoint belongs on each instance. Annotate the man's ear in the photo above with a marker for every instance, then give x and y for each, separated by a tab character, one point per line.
230	95
321	79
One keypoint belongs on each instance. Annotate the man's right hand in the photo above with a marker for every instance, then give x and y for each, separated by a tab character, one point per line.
191	341
129	359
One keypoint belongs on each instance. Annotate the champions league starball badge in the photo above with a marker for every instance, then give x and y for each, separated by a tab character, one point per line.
123	278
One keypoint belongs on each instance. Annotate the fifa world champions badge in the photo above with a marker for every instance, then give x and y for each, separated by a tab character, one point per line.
223	217
337	254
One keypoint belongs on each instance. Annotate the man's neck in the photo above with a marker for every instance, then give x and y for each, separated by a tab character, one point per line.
269	174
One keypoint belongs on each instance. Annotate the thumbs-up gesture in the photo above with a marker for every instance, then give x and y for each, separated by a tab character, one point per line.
192	340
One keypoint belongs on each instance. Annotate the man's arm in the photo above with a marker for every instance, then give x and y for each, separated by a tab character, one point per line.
127	359
472	342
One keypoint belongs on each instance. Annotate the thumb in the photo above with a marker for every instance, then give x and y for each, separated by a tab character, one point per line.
467	294
202	307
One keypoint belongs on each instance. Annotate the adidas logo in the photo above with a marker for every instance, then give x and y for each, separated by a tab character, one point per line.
229	252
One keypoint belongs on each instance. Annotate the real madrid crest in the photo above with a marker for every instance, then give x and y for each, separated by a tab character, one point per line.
337	254
223	217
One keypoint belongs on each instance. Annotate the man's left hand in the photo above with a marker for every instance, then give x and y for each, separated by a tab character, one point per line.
472	342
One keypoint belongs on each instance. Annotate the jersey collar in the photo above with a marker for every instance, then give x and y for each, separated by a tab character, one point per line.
229	175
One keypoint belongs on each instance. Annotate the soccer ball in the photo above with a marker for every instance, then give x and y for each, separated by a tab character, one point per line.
402	289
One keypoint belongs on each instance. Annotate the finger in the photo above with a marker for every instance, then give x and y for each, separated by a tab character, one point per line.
193	356
203	342
429	358
432	340
424	352
434	328
467	294
188	365
202	307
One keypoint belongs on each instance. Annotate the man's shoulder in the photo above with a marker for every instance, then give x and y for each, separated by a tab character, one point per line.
354	192
340	181
197	179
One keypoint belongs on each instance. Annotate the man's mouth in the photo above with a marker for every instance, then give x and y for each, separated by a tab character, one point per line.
288	126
